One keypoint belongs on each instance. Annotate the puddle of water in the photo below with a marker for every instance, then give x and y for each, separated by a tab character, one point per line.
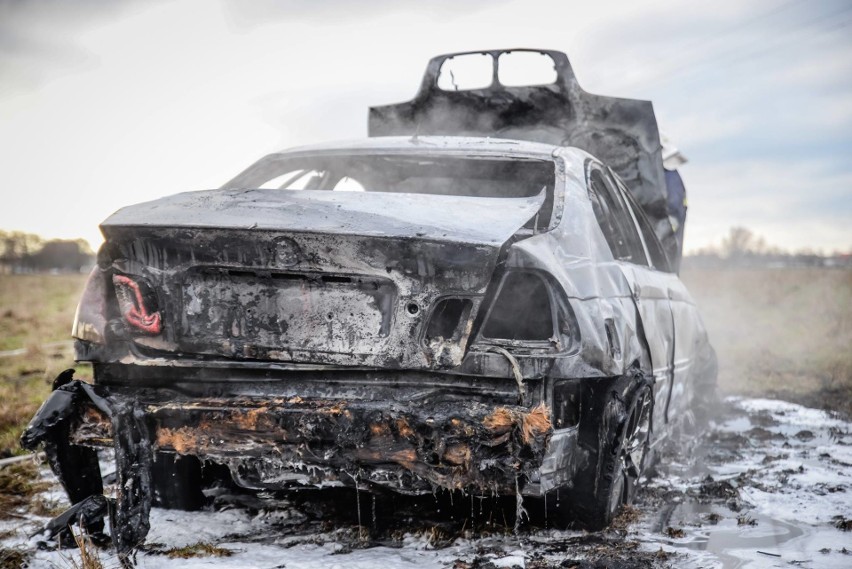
729	541
781	475
770	543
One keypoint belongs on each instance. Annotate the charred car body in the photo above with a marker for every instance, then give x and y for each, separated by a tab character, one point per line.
486	315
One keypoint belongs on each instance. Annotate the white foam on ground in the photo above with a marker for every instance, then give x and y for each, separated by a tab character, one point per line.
780	497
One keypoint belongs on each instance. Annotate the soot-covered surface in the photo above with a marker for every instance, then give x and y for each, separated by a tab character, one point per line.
768	486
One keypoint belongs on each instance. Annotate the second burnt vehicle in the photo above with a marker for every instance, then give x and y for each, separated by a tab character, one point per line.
407	312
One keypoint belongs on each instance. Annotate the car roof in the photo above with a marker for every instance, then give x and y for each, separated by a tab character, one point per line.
485	146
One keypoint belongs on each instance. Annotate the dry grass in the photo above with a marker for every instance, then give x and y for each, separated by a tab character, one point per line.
34	310
18	484
89	556
627	516
198	550
37	309
13	558
783	333
45	507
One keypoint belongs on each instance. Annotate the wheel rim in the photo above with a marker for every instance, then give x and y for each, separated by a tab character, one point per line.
634	448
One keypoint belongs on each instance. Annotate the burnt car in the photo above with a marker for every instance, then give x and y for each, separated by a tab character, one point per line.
404	313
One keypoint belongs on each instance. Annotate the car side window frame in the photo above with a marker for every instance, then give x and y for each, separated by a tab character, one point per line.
610	214
627	221
620	192
603	215
654	252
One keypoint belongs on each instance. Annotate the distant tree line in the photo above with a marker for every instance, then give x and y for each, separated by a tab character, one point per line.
742	248
27	253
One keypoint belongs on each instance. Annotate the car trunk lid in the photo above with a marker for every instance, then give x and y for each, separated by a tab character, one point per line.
338	278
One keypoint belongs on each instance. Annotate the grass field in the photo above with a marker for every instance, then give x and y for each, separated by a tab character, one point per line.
784	333
778	333
34	310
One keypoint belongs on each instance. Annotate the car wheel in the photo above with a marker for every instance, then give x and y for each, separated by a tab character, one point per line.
611	481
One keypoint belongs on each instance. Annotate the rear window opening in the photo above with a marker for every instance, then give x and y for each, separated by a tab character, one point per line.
483	177
520	68
521	310
450	176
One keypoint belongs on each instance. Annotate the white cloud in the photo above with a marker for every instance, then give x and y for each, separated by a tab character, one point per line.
690	130
792	204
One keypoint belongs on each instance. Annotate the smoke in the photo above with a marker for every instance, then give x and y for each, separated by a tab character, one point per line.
780	332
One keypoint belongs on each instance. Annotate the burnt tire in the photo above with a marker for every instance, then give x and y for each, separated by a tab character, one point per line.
610	478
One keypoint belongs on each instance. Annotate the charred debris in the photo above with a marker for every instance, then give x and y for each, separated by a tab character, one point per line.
452	445
406	342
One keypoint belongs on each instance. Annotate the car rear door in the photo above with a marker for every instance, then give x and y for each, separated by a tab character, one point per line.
685	316
648	286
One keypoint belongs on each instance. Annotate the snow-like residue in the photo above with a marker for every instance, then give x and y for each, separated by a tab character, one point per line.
791	468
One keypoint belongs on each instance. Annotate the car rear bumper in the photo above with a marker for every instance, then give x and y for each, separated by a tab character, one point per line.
279	442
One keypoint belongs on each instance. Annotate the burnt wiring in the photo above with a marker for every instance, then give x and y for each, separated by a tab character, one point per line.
516	371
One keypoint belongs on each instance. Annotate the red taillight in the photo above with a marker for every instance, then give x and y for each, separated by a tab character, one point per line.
133	306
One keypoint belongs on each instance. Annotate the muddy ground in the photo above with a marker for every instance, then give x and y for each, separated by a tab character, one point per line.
767	486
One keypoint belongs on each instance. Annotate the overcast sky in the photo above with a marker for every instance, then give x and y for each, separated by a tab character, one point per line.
106	103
